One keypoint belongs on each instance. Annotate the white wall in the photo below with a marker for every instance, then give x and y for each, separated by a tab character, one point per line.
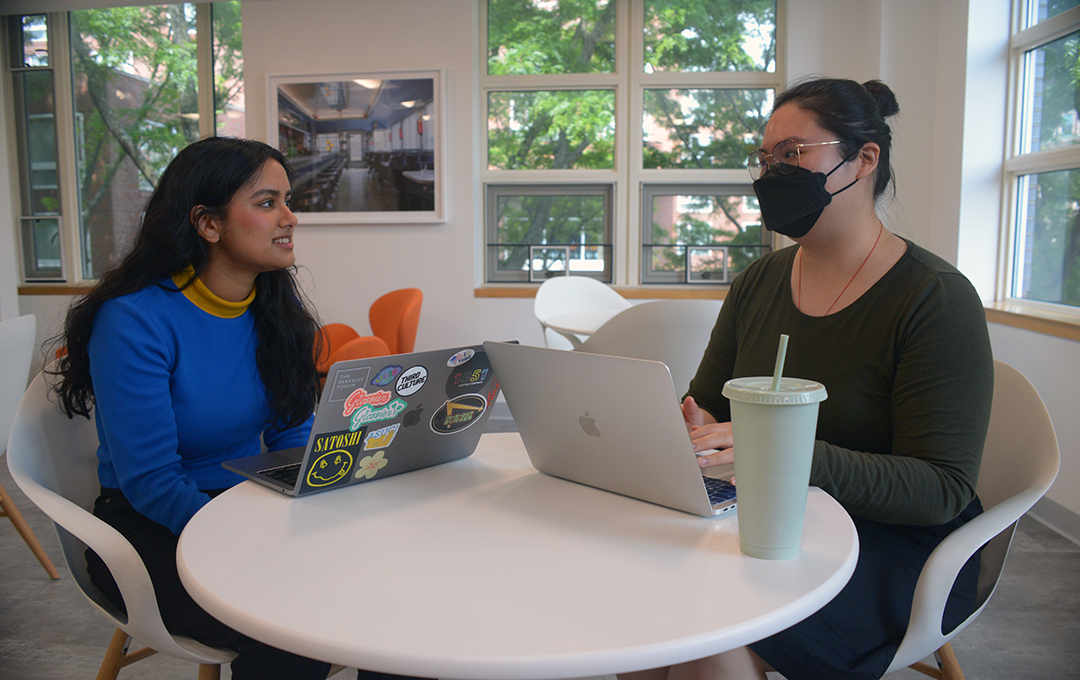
352	265
1053	366
938	57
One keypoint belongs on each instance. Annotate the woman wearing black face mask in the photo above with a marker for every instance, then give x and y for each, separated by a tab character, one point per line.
898	337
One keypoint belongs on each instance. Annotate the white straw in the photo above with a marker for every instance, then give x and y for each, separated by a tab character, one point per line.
781	354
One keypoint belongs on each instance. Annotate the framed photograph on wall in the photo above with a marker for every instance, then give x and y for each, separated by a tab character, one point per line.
364	147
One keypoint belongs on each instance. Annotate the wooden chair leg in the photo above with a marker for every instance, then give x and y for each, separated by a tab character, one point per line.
114	656
950	666
926	669
8	509
209	671
117	656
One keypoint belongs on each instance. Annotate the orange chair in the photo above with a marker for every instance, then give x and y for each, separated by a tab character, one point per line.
334	336
360	348
394	318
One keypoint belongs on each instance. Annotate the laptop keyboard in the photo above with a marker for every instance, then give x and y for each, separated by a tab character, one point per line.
286	474
720	490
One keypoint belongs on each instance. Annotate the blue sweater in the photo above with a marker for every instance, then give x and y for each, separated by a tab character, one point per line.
177	393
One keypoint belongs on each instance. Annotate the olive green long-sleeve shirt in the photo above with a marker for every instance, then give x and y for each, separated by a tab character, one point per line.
909	374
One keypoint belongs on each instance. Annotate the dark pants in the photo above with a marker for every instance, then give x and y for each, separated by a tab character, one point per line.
855	636
156	546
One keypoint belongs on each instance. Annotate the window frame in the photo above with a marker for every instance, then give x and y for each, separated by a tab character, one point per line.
648	191
1020	166
496	191
628	178
73	252
26	218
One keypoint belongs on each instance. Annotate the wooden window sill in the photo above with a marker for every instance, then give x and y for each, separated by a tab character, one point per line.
630	293
1016	314
54	289
1034	318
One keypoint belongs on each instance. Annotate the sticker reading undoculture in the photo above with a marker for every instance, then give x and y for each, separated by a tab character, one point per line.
458	413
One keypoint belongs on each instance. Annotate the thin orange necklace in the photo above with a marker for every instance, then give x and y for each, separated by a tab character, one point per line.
798	302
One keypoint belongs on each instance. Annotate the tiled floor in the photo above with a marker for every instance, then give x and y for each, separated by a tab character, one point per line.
1029	631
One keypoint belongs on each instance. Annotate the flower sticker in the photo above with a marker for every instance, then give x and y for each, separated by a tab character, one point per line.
369	466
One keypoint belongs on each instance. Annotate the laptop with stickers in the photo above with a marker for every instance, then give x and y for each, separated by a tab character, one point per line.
382	416
609	422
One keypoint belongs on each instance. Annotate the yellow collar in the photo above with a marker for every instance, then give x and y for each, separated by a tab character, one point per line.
204	299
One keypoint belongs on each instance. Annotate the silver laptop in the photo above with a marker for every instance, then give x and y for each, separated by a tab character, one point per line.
609	422
383	416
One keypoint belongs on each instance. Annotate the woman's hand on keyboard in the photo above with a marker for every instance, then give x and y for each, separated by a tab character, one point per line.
712	440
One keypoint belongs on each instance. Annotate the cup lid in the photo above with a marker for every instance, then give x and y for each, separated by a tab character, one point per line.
758	390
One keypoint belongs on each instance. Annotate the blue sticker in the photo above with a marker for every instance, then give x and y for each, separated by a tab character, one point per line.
382	437
386	376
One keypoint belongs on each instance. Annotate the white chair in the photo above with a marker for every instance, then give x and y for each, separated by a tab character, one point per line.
16	352
675	332
566	294
1020	462
53	460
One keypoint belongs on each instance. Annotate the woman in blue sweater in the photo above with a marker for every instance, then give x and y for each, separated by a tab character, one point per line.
196	349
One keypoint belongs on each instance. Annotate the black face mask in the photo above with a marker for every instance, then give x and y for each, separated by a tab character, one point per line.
791	204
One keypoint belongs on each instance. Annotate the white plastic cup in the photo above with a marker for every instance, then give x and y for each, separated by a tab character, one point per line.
774	432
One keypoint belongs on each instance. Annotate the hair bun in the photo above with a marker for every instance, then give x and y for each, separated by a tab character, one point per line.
884	96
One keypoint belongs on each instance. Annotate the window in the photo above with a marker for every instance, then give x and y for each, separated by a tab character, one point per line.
549	230
33	76
699	233
1043	166
616	134
91	147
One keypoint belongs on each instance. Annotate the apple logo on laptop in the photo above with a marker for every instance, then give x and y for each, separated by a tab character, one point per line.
413	417
589	425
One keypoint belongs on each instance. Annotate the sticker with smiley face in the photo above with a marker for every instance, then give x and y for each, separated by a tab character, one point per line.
335	454
329	468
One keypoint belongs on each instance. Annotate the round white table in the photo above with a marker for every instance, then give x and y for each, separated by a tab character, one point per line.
484	568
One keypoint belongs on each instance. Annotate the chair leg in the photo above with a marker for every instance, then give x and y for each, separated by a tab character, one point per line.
117	656
209	671
950	666
11	512
114	656
926	669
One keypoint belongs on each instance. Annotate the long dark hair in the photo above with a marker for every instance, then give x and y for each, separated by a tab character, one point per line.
206	174
854	113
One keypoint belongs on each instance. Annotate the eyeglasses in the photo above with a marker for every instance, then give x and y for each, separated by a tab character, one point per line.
785	157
